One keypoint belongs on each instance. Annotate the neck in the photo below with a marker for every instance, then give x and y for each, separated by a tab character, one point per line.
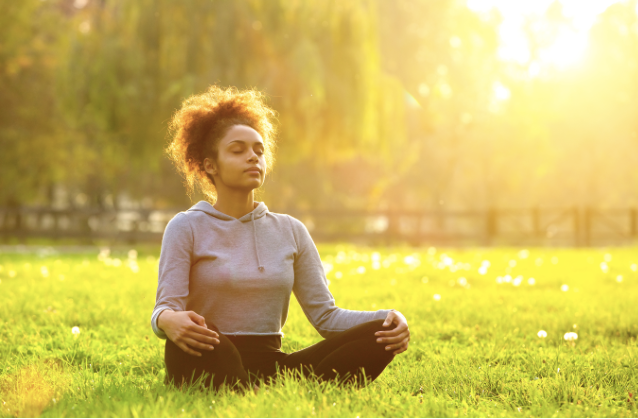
235	204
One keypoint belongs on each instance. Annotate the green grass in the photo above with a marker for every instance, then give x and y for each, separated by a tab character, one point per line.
474	352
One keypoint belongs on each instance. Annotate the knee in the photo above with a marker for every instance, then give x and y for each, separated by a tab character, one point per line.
375	326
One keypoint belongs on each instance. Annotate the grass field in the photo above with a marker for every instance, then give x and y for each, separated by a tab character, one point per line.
474	315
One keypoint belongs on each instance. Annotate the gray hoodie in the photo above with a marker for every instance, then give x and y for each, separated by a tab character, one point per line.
238	273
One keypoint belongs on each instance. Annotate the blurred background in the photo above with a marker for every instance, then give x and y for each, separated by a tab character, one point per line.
421	121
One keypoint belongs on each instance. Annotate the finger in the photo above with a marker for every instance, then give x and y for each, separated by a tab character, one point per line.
389	319
188	350
400	327
203	331
399	351
198	345
394	332
393	339
207	340
395	346
200	320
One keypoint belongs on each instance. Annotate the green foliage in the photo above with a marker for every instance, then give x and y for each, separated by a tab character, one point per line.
381	103
32	148
473	352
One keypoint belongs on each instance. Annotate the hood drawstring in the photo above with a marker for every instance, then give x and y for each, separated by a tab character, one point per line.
252	217
207	208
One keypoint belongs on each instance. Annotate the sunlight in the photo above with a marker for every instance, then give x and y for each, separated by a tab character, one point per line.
501	92
566	49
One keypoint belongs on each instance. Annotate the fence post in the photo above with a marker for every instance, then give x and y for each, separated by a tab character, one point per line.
587	226
536	222
391	232
56	226
491	224
577	232
418	234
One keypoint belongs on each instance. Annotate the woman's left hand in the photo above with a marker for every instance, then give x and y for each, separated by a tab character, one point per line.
398	337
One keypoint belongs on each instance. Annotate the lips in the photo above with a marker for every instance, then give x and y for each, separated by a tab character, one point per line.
253	169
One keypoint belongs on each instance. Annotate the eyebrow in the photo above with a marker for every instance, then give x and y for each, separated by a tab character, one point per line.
244	142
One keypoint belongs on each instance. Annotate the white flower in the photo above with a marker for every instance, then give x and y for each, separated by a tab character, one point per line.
75	330
104	253
437	297
531	281
409	260
338	275
482	270
619	278
44	271
570	336
564	288
634	267
361	270
542	334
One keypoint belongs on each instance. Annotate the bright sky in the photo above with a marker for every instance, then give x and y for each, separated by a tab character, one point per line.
569	45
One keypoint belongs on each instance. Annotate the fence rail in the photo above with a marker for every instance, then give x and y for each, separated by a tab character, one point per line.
532	226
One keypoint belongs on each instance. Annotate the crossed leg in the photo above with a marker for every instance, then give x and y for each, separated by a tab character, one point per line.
349	356
223	365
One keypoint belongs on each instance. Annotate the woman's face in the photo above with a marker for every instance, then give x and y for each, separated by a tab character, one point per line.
240	160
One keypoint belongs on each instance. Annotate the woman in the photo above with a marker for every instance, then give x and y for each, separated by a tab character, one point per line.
227	270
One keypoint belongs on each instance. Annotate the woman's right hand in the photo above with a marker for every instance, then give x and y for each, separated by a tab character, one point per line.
187	330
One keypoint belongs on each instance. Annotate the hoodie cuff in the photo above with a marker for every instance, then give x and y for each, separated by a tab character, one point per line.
158	332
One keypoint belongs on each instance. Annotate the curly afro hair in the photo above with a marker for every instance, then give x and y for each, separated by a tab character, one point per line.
203	120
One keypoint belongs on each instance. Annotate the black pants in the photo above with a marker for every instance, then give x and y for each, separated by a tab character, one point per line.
240	361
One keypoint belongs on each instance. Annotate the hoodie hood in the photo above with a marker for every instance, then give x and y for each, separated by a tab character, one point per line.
260	211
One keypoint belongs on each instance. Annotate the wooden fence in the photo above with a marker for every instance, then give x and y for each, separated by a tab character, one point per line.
535	226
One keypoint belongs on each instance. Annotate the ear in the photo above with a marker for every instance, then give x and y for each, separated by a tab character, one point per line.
209	166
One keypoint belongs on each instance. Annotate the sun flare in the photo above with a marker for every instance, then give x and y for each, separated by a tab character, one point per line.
568	43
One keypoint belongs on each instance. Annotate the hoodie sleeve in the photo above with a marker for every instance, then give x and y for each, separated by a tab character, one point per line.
174	269
311	290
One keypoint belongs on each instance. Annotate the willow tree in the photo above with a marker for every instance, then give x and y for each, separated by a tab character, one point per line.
130	64
33	148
